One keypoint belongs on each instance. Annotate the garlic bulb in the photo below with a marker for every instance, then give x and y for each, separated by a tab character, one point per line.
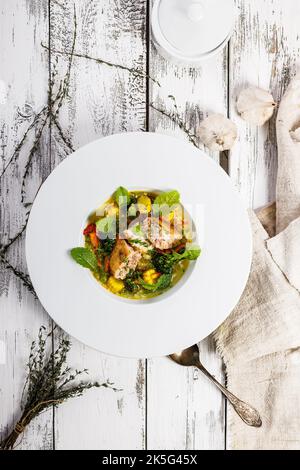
256	106
218	133
296	135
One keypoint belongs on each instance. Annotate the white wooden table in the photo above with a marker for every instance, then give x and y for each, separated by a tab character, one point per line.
161	406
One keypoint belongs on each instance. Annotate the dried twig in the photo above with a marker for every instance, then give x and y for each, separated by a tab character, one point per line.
19	274
63	137
49	382
52	113
176	119
66	81
47	113
31	155
133	70
18	148
11	241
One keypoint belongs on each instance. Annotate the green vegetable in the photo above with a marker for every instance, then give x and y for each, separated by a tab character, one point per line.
163	282
191	254
103	276
138	241
130	281
130	285
137	229
132	211
85	257
169	198
106	247
121	196
164	263
106	225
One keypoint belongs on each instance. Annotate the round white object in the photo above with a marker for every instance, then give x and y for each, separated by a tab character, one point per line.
191	30
184	315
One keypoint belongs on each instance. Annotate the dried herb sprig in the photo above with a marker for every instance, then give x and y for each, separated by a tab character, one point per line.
48	114
12	240
32	152
53	109
18	148
19	274
133	70
176	119
63	137
49	382
66	82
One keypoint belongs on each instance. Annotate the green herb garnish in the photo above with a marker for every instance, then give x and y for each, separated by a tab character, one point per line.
106	247
168	198
137	241
106	225
163	282
121	196
164	263
190	254
132	210
131	281
85	257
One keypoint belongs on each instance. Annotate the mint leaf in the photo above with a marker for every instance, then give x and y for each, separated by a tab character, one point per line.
169	198
85	257
121	196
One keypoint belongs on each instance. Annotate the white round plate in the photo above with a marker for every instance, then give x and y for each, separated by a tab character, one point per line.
82	307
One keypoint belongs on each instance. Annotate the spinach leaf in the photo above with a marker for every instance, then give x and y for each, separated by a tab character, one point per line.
121	196
106	225
190	254
85	257
163	282
132	210
168	198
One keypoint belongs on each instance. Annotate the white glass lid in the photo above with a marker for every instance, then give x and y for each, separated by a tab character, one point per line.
192	28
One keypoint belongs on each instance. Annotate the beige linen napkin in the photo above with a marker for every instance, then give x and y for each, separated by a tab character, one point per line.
260	341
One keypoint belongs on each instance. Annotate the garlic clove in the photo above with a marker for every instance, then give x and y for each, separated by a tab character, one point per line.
296	135
256	106
218	133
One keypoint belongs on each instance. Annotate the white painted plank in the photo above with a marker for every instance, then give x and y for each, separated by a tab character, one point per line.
184	410
24	71
264	52
102	100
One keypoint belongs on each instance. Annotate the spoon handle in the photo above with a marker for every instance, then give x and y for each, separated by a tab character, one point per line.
248	414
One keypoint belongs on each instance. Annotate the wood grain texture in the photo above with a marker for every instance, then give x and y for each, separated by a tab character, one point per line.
192	413
263	52
102	100
24	70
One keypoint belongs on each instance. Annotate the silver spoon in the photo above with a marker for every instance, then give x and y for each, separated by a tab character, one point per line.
190	357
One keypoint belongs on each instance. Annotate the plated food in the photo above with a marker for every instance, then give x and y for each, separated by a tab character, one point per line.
184	314
138	244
